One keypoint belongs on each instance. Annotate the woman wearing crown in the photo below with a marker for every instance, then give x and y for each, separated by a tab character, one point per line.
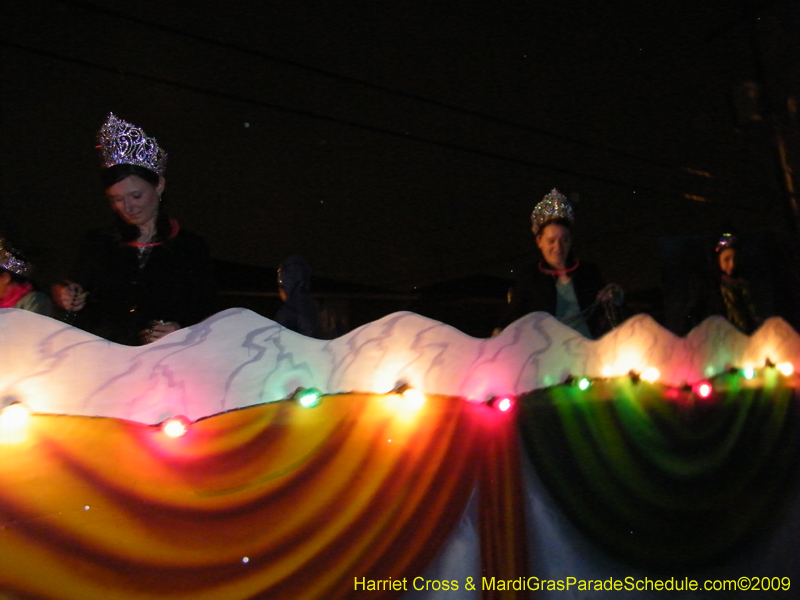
16	289
145	276
559	283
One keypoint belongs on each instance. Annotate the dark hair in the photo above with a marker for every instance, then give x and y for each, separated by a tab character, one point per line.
125	231
564	222
117	173
295	276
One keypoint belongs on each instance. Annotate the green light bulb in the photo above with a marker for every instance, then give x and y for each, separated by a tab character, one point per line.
309	398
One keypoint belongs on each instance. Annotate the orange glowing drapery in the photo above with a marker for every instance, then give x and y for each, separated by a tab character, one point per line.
272	501
504	551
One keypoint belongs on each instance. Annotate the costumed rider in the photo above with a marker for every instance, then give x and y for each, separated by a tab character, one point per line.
729	294
144	276
299	311
16	288
574	292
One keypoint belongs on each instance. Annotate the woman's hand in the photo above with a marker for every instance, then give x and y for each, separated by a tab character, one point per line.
157	330
611	294
71	297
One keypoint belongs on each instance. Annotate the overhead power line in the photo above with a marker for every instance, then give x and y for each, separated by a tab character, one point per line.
88	6
173	31
338	120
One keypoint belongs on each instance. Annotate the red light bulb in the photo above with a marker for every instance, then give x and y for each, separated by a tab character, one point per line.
703	389
504	404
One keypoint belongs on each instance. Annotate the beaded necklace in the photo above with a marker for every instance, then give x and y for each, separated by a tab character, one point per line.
558	272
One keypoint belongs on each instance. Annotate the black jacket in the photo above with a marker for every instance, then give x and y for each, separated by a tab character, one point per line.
299	312
175	284
535	291
708	298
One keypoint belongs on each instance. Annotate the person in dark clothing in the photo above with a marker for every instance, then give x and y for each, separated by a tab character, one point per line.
727	294
334	318
559	283
16	288
299	312
145	276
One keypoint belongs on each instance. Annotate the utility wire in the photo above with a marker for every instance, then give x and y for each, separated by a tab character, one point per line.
741	21
88	6
340	121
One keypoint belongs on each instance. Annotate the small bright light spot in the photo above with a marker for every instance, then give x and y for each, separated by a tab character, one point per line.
703	389
504	404
246	125
390	441
175	427
607	371
584	384
414	398
785	367
245	560
650	374
86	507
710	371
16	415
749	372
501	403
309	398
14	421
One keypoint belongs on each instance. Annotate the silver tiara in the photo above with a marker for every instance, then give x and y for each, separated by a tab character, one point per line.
553	206
122	143
728	240
11	260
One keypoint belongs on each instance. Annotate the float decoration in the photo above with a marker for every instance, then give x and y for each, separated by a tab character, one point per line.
237	359
260	496
665	477
273	501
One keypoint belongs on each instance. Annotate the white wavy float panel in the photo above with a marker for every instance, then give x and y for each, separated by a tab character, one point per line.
238	358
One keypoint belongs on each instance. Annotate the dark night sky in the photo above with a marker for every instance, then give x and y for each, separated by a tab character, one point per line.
399	143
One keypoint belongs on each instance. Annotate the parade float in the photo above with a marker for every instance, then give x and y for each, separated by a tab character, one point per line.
236	459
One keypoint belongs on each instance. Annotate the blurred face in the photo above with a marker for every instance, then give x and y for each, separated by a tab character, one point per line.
555	242
136	200
5	283
727	260
281	289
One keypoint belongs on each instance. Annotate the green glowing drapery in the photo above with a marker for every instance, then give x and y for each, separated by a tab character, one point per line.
660	477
